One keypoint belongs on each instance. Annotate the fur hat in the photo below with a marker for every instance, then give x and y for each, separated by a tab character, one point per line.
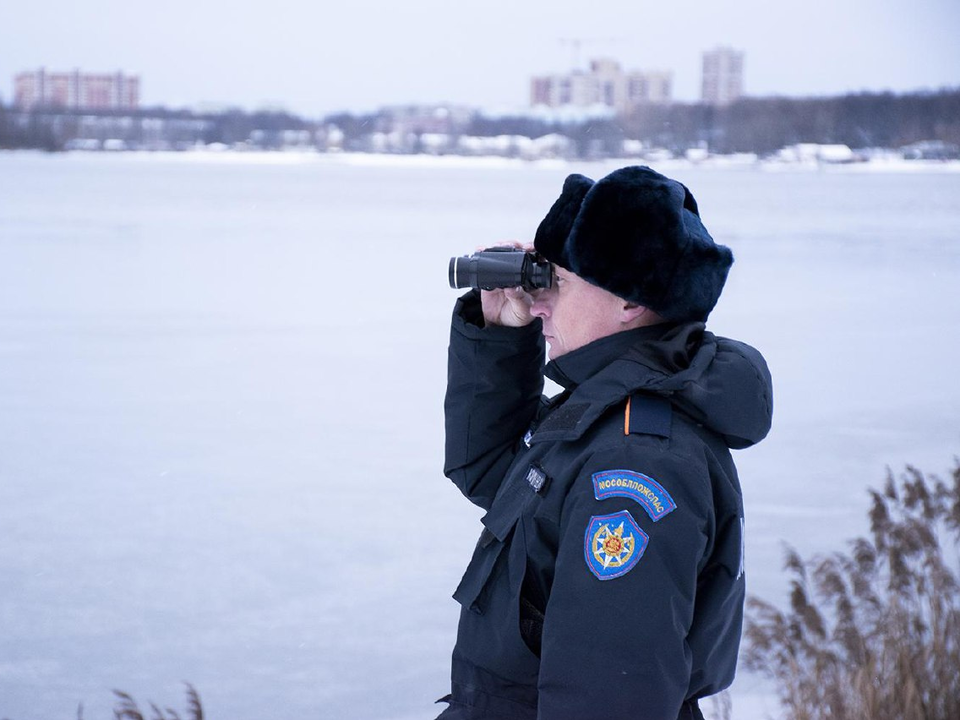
638	235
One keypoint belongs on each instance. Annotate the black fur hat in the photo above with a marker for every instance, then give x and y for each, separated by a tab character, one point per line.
637	234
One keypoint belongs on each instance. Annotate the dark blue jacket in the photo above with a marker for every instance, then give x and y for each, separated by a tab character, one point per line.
608	579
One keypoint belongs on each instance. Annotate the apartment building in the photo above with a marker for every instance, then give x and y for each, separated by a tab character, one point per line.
722	76
605	83
76	90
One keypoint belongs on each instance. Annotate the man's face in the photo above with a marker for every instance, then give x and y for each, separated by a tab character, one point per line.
575	313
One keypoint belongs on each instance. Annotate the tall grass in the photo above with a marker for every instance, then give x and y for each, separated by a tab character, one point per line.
127	708
873	632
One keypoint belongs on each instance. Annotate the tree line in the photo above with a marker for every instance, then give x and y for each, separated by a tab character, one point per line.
764	125
757	125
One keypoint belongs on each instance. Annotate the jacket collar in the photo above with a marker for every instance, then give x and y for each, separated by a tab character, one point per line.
654	359
577	366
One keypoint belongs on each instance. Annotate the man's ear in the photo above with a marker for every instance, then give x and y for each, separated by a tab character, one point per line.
631	311
638	315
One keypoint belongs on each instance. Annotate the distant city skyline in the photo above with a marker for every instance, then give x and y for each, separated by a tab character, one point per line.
604	83
313	60
76	90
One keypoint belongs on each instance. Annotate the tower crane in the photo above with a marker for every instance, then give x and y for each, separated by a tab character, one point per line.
576	43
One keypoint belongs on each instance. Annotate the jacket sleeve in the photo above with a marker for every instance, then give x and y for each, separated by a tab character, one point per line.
494	385
615	635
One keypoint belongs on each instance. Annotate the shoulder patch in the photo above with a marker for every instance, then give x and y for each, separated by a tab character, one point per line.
637	486
613	544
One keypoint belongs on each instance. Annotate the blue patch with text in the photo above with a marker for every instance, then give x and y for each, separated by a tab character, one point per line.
637	486
613	544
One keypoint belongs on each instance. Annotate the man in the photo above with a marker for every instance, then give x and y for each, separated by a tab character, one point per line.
608	580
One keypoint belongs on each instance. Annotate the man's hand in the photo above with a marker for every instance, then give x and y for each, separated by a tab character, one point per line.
506	306
509	307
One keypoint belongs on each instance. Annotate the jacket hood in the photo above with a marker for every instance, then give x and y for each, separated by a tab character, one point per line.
722	384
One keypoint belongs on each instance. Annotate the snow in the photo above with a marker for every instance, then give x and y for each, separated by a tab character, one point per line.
221	406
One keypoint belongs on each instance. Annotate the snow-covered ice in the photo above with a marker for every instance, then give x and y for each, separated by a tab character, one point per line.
221	408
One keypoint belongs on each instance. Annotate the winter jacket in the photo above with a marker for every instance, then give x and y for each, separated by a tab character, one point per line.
608	581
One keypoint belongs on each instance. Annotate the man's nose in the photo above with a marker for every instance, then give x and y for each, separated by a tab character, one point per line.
540	307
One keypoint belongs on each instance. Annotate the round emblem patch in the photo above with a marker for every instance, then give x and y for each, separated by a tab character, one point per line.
613	544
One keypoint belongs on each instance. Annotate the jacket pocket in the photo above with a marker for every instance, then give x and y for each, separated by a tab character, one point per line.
514	499
478	572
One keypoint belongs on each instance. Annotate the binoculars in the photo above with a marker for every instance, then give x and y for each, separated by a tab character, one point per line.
502	267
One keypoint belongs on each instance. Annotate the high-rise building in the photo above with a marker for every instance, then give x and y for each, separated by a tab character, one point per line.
604	84
76	91
722	76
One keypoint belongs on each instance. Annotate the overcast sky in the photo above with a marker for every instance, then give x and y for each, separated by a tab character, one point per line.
314	56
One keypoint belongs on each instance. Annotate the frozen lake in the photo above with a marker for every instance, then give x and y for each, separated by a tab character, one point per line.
221	383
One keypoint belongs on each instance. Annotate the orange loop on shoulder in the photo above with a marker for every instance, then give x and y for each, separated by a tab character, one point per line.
626	418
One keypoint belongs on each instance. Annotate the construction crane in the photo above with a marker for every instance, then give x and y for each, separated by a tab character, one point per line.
577	43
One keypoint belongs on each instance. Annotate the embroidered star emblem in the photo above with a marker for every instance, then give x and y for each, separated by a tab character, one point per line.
611	548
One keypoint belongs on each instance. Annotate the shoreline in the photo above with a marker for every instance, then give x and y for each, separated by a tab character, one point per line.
743	161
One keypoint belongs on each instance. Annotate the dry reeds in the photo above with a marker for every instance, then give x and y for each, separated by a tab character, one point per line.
873	632
127	709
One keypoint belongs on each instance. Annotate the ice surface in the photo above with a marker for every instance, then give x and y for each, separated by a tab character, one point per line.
221	395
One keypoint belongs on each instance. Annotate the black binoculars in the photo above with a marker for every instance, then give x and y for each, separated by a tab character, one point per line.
502	267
